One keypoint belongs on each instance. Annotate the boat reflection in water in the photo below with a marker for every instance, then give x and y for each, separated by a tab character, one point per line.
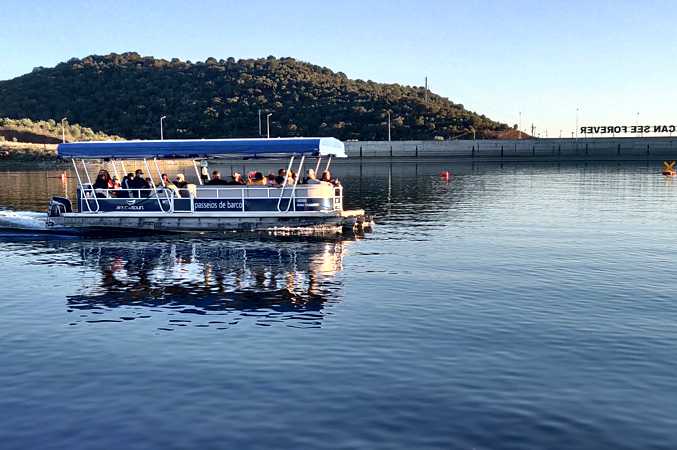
209	283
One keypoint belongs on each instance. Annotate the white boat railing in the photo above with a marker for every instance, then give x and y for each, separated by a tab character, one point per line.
90	194
82	186
242	193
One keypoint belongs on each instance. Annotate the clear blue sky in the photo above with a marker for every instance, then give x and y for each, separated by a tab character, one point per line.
612	59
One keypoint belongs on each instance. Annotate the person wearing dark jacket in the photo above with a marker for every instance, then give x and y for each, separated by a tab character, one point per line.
103	184
139	182
281	176
216	179
236	179
124	186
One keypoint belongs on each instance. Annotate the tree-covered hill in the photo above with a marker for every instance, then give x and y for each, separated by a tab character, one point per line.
126	94
47	132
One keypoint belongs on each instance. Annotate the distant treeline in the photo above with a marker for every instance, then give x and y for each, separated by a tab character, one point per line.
126	94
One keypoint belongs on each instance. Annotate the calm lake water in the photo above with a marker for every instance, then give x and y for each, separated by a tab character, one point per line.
523	306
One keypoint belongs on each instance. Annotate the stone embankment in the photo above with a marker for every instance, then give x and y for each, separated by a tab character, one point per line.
597	149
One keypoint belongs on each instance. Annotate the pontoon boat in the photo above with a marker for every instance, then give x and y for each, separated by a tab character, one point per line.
289	206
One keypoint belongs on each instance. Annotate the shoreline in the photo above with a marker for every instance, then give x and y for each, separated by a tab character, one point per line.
55	164
19	155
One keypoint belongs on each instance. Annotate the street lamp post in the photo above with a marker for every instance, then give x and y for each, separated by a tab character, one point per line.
268	124
162	134
576	123
639	134
519	128
388	126
63	130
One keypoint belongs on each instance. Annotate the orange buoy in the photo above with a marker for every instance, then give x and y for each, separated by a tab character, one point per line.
669	169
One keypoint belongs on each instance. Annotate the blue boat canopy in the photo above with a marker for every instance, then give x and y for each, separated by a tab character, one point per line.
203	148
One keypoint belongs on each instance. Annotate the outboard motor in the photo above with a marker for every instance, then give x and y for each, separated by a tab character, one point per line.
59	206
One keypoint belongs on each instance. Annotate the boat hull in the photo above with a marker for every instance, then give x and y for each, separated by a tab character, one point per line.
205	222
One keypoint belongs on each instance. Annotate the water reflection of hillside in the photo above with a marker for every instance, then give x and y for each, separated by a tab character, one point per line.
212	283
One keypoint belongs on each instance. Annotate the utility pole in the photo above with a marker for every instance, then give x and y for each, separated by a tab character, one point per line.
388	126
259	122
426	90
268	124
532	129
162	135
63	130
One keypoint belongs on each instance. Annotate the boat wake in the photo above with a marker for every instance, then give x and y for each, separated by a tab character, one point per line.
28	220
22	221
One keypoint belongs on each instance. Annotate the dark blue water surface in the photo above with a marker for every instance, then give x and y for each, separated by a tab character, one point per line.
513	307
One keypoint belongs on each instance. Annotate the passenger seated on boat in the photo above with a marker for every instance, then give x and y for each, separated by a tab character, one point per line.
116	189
216	179
180	181
204	174
182	185
284	174
270	180
169	185
139	182
124	186
311	178
326	176
256	180
103	183
236	179
281	175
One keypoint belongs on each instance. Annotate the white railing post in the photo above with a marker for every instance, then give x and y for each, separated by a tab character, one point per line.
296	182
197	172
159	172
284	184
91	187
115	169
152	183
82	189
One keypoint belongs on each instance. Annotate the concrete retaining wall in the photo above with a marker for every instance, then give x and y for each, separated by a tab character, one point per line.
592	149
